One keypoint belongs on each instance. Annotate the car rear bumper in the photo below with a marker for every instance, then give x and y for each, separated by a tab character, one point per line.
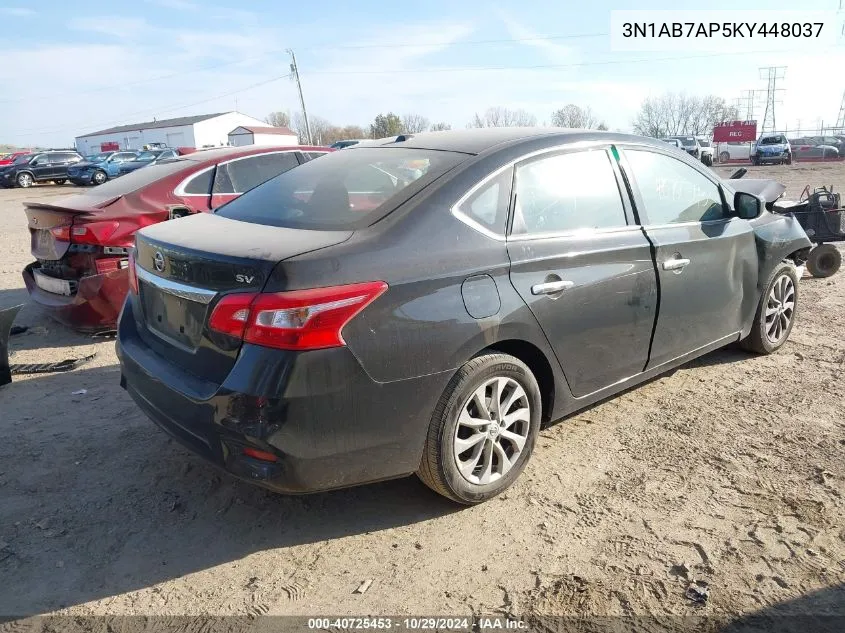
326	421
95	306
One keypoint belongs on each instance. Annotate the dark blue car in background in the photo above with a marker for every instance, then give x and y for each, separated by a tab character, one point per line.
98	168
148	157
771	148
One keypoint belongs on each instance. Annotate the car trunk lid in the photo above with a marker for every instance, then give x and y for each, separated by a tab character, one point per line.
185	266
44	217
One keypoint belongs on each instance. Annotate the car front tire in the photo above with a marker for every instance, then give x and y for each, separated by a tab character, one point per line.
99	177
483	429
24	180
724	157
776	312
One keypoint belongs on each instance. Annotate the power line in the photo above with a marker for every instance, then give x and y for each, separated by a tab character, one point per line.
166	109
420	70
533	67
271	52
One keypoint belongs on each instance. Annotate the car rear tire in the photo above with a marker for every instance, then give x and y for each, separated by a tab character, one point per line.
483	429
724	157
707	159
24	180
99	177
824	260
775	312
788	159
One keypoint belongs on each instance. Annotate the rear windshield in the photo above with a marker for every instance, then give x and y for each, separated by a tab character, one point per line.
142	177
343	190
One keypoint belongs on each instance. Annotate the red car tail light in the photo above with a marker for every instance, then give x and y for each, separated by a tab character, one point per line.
295	320
231	314
133	275
93	233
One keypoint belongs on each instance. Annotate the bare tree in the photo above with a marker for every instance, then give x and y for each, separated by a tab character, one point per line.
320	128
503	117
678	113
575	116
440	127
413	123
278	119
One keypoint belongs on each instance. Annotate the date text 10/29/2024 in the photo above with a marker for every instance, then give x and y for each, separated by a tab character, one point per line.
482	623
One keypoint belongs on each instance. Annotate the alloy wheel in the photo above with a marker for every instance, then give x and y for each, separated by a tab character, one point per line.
492	430
25	180
780	308
99	178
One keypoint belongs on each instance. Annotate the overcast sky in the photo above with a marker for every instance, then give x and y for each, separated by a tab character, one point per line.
66	70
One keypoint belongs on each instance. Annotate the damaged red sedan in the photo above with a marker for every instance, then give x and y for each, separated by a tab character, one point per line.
81	242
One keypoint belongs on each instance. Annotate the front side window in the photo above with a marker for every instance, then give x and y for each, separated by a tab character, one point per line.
673	191
567	192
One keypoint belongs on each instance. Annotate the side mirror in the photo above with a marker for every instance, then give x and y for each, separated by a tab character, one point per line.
748	206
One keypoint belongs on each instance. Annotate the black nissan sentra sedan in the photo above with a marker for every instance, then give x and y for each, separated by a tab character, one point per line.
423	304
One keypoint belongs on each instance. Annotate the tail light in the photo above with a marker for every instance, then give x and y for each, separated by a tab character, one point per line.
133	275
296	320
93	233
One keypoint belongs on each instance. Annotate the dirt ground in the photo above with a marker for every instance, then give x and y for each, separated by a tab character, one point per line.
728	471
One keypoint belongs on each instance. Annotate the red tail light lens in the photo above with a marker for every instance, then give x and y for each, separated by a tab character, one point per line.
231	314
133	275
297	320
93	233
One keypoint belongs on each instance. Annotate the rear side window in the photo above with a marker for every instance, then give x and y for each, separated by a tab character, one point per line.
567	192
244	174
488	205
673	191
200	184
343	190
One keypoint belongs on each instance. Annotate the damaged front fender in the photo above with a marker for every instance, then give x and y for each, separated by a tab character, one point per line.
778	237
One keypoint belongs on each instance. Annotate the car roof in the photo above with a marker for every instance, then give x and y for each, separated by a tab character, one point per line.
478	140
222	153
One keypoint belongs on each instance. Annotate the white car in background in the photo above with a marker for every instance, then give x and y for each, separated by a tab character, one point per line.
734	150
706	150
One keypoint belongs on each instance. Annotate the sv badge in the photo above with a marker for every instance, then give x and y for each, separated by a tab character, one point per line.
245	279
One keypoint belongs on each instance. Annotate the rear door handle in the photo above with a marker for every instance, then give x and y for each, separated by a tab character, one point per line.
675	264
551	287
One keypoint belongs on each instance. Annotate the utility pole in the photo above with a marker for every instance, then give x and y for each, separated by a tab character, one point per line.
772	74
294	69
840	120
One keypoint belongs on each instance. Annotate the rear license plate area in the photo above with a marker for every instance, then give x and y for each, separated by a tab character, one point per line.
51	284
173	318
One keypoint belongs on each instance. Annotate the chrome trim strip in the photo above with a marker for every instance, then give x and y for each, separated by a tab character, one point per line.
183	291
460	215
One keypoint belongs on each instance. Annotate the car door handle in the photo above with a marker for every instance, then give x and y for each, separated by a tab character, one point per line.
675	264
551	287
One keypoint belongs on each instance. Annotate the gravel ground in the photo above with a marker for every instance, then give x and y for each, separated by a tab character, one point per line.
727	472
